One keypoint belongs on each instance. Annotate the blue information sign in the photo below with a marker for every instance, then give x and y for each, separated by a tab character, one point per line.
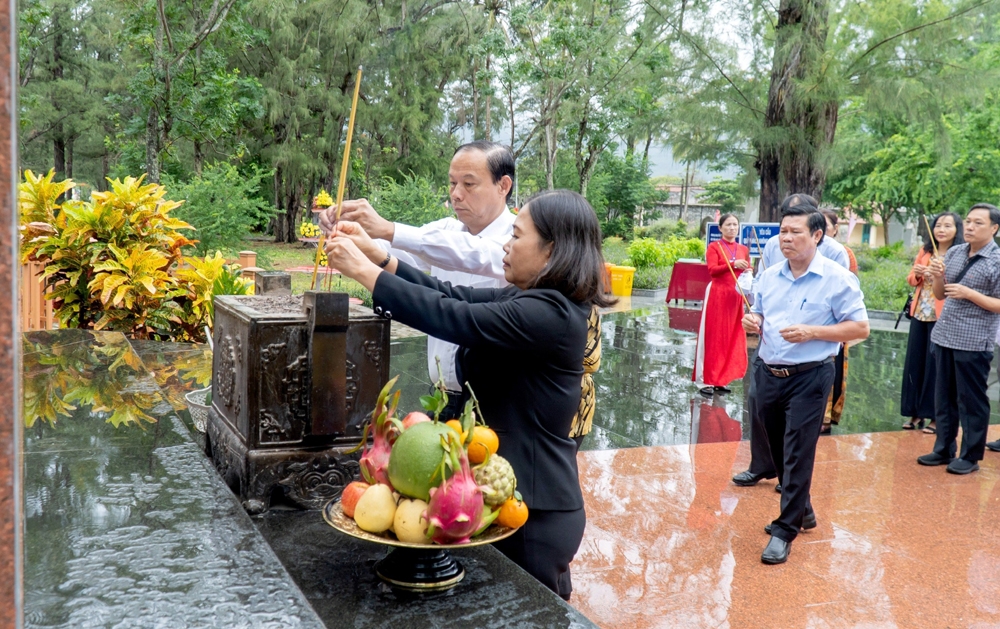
751	234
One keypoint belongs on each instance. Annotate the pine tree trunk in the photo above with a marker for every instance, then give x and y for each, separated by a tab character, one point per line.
59	156
69	158
799	124
152	147
198	158
550	154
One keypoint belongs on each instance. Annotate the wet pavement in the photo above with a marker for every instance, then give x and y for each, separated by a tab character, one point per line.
672	543
127	524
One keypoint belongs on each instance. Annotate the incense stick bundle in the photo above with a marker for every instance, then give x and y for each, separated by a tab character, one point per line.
344	164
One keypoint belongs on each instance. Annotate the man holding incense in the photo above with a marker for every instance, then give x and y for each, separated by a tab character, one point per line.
968	279
465	250
761	466
804	308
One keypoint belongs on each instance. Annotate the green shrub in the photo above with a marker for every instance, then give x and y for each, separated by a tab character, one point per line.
645	253
649	253
415	201
677	248
885	288
663	230
889	251
112	262
615	250
882	272
223	205
651	278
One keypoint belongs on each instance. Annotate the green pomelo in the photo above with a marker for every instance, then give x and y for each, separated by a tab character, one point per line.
415	458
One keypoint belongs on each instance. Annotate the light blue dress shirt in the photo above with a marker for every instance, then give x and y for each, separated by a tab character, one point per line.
825	294
829	247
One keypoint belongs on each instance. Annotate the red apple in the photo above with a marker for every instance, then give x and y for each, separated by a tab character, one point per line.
416	417
350	496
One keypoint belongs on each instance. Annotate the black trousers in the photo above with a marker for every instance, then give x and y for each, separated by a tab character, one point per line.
545	546
793	410
960	400
760	450
919	370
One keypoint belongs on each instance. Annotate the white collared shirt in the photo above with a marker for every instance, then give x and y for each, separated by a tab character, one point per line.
451	254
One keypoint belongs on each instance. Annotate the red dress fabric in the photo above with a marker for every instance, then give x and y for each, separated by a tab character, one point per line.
721	355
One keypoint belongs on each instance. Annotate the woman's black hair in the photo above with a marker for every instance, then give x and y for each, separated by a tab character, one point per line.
959	233
726	217
831	216
499	160
576	266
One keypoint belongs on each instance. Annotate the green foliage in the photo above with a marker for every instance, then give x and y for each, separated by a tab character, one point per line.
649	253
615	250
646	253
223	205
112	263
664	229
414	201
651	278
725	192
882	272
619	188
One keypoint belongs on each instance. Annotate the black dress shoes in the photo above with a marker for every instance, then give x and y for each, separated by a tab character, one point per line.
776	551
933	459
777	488
749	479
961	466
994	445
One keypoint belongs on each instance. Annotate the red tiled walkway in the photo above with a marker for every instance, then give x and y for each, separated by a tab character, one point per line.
671	542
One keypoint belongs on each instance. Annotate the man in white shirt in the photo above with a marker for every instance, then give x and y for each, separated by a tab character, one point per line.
465	250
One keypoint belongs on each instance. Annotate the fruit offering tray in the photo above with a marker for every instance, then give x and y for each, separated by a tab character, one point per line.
335	517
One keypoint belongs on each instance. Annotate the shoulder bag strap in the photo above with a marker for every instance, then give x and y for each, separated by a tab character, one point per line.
965	269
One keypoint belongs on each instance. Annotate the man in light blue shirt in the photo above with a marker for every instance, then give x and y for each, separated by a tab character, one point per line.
804	308
761	466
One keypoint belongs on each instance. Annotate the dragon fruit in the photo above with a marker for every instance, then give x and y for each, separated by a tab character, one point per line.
385	428
455	510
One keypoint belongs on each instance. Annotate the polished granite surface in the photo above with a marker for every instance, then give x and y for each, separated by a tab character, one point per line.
671	542
126	523
336	574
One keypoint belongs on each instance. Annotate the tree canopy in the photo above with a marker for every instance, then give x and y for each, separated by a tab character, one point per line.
885	103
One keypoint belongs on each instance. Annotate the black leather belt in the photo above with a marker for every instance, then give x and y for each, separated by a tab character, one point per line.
790	370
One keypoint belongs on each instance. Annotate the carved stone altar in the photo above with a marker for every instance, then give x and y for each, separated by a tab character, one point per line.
294	378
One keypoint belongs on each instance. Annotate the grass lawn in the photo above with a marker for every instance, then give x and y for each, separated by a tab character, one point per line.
275	256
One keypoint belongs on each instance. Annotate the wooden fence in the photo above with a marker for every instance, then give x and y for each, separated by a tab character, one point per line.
36	311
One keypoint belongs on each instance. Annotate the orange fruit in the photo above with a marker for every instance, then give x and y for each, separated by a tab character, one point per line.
513	513
483	440
456	425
